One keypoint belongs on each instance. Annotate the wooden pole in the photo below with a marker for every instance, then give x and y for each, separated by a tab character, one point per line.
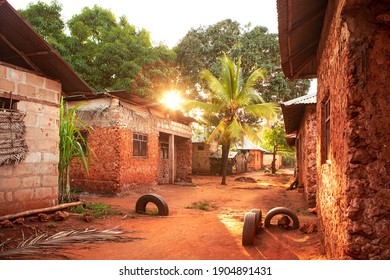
36	211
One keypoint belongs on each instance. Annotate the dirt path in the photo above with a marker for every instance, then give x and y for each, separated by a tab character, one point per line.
194	234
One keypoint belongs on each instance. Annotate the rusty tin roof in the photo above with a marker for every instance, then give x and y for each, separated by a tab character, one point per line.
22	46
294	109
300	26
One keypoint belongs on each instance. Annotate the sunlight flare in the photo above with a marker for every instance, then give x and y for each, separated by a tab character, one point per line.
172	100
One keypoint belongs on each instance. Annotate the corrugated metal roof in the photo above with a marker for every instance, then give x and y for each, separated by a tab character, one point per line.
300	24
22	46
306	99
294	109
248	145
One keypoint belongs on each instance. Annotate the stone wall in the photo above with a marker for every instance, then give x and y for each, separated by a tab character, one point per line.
354	183
183	153
32	183
306	155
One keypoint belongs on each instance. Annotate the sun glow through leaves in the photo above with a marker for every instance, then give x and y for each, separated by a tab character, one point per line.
171	100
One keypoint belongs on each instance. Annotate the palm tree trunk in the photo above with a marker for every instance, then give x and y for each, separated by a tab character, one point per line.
273	165
224	161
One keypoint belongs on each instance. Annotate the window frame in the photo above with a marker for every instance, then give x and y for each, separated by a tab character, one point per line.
140	145
164	150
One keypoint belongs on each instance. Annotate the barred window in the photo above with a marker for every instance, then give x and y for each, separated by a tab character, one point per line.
164	150
140	145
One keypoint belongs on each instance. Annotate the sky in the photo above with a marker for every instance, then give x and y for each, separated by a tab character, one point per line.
169	20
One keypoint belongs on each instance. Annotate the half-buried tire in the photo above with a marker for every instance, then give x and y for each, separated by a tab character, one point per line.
281	210
157	200
249	228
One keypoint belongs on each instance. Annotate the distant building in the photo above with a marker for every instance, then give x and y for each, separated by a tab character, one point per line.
299	116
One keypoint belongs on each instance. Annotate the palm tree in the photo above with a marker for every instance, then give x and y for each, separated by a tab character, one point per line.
234	102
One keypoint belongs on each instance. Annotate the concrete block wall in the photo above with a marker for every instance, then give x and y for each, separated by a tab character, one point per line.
33	183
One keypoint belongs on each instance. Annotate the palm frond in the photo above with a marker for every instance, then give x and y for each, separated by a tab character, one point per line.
215	86
264	110
218	132
236	131
193	104
43	245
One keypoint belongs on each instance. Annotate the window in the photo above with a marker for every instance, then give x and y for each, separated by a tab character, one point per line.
140	145
200	148
327	130
164	150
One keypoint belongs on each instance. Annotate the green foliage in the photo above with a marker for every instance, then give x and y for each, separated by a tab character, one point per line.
97	209
257	47
232	102
201	205
71	147
107	53
275	140
46	20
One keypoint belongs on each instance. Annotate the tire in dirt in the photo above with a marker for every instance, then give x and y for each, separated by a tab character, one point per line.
259	217
157	200
249	229
281	210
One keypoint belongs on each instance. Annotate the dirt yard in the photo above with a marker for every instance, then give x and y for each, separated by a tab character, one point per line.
190	233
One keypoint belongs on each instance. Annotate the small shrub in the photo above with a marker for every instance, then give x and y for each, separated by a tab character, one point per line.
201	205
97	209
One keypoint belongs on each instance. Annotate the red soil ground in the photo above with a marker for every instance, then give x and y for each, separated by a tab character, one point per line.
194	234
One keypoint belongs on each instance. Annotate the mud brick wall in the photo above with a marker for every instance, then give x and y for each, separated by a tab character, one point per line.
33	183
200	158
183	155
256	161
114	170
307	172
104	166
138	172
354	185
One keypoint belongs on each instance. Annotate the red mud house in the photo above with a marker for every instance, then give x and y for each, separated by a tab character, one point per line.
32	78
299	117
346	46
136	143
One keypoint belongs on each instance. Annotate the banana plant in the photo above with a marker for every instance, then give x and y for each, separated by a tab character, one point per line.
71	147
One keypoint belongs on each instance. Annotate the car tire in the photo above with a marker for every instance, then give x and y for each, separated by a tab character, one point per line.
259	217
281	210
160	203
249	229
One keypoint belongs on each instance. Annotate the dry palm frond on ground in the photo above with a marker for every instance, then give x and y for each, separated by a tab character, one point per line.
42	245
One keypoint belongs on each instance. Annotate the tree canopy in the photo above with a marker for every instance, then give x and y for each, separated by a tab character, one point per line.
107	53
257	47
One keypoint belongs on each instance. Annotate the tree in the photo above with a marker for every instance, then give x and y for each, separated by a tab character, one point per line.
256	47
71	147
275	140
230	100
46	20
107	53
